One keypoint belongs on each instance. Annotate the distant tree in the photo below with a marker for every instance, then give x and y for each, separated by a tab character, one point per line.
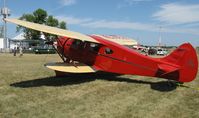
51	21
29	34
62	25
39	16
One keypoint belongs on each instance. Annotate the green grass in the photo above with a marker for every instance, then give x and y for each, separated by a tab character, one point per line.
28	89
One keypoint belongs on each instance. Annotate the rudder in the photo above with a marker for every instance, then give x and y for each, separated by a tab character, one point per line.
186	58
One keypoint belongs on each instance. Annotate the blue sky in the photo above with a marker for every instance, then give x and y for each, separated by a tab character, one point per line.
138	19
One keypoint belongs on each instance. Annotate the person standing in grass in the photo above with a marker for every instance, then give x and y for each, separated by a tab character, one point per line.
20	51
14	51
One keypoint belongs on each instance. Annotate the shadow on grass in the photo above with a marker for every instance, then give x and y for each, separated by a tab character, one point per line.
72	79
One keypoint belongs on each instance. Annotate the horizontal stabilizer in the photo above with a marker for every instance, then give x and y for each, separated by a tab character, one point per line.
70	67
168	68
168	71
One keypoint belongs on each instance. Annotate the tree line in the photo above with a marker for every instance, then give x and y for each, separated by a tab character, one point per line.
40	16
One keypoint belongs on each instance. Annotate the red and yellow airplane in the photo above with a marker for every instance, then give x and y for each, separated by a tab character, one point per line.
90	53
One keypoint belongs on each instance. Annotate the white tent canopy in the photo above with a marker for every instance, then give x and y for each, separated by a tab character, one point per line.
1	43
19	37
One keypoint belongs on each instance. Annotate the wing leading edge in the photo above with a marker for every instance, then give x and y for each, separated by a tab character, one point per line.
51	30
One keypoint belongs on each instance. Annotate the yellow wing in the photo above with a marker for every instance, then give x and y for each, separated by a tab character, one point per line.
70	68
118	39
51	30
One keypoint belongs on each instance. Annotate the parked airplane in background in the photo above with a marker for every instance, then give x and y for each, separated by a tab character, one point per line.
91	53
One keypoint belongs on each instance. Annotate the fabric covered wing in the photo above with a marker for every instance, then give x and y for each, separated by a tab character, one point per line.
70	68
118	39
51	30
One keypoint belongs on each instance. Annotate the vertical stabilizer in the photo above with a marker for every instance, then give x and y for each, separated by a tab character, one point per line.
186	58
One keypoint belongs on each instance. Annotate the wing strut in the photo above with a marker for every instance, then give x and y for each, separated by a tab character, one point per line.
61	54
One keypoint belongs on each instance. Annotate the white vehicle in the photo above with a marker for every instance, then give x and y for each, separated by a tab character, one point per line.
161	51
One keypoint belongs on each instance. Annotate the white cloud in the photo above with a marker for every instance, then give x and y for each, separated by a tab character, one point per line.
127	3
138	26
105	24
63	3
174	13
119	25
136	1
67	2
72	20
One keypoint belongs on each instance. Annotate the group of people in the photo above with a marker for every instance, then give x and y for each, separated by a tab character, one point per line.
20	51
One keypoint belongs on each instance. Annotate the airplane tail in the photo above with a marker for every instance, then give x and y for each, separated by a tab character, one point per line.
183	64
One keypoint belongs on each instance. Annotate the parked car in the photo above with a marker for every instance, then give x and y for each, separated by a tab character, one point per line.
161	51
152	51
44	51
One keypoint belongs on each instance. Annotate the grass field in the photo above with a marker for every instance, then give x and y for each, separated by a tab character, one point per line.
28	89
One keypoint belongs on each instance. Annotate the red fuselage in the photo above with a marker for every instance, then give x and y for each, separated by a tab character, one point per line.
111	57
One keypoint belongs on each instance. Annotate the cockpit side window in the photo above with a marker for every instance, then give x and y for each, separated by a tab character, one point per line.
94	47
76	44
108	51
